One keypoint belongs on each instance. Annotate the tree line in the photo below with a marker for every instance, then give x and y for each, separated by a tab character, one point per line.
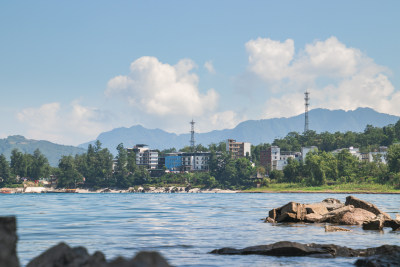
94	168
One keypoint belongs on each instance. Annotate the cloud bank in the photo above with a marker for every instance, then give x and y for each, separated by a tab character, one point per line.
71	124
338	77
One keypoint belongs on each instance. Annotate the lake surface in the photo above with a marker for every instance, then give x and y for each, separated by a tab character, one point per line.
183	227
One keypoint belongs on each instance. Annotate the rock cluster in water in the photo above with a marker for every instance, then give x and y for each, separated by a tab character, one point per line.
63	255
353	212
385	255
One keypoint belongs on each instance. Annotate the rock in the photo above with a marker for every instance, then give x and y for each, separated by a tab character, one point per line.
269	220
317	208
142	259
356	217
375	224
291	249
330	228
358	203
283	248
332	204
62	255
394	224
273	214
313	218
8	242
291	212
334	216
383	256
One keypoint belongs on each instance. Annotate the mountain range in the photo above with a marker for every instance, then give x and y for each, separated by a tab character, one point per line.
53	152
253	131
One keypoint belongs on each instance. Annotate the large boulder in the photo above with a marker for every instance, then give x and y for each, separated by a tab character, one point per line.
291	212
356	217
8	242
358	203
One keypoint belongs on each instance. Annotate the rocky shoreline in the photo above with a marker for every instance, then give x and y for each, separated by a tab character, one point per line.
139	189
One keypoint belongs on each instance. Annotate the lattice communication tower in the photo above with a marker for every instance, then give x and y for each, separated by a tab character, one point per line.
306	104
192	145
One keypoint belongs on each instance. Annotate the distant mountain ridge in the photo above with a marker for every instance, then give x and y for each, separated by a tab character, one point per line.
53	152
253	131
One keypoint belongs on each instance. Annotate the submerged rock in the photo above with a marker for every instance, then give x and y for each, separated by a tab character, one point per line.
330	228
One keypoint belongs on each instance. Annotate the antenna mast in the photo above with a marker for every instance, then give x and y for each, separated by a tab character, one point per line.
192	136
306	104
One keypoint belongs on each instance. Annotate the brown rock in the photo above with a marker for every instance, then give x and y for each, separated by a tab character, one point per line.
358	203
287	217
318	208
375	224
8	242
313	218
330	228
332	204
273	214
334	216
356	217
269	220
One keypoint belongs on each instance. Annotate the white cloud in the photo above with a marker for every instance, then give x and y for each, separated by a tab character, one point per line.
210	67
161	89
72	124
166	96
225	120
270	59
338	77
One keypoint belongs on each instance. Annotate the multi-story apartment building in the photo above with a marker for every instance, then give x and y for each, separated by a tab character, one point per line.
197	161
145	156
274	159
238	149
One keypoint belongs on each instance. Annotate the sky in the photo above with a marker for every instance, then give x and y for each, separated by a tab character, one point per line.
70	70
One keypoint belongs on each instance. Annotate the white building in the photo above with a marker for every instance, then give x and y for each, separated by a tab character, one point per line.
145	156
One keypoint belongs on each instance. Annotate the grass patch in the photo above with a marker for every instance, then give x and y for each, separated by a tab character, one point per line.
349	187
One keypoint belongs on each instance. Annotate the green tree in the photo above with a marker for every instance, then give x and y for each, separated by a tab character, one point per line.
5	175
68	175
39	166
121	170
19	164
393	158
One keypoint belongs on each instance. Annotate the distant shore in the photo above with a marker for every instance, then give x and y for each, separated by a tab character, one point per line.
139	189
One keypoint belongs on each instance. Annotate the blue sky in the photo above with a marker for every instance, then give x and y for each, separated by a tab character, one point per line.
70	70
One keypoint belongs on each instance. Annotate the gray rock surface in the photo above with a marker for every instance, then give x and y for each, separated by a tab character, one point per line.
386	255
8	242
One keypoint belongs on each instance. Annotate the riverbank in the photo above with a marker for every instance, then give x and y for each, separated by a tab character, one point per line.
349	188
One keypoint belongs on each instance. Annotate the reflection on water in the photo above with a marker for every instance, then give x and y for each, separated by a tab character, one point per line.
183	227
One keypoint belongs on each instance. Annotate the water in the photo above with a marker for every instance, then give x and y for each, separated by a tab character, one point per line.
183	227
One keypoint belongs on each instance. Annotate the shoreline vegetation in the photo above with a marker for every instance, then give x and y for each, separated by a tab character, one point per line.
350	188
